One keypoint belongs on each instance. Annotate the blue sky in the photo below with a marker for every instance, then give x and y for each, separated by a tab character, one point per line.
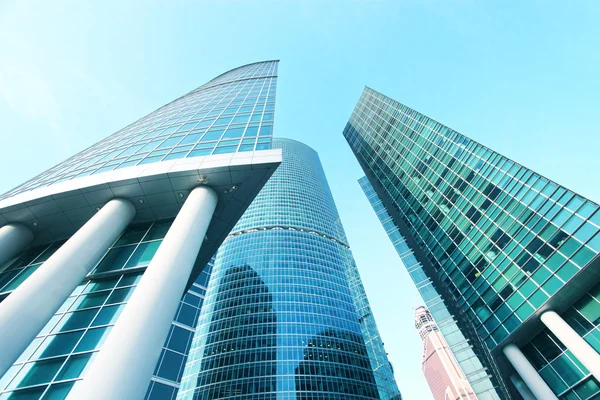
519	76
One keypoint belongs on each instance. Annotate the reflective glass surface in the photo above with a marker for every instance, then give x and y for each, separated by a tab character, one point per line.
280	319
58	356
484	385
233	112
499	238
561	370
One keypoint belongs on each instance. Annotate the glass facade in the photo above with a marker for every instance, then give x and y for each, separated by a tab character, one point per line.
565	375
482	383
280	319
57	357
496	239
233	112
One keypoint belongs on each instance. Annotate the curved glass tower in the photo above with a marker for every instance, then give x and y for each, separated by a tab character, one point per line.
283	317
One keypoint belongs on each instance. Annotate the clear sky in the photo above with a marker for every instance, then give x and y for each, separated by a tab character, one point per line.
521	77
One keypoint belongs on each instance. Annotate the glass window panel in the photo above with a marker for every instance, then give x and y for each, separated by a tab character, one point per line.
120	295
39	372
589	388
567	370
193	138
133	234
225	150
90	300
115	259
130	279
27	394
74	366
170	366
58	344
92	339
234	133
159	230
143	254
101	284
198	153
175	156
160	392
212	134
76	320
108	315
58	392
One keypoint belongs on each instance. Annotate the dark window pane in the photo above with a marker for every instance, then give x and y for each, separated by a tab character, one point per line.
143	254
91	339
115	259
159	230
133	234
41	372
77	320
59	344
73	367
108	315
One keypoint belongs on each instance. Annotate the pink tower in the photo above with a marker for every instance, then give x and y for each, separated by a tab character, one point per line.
444	376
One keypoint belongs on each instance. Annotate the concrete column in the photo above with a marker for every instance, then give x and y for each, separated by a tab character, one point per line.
13	239
125	363
572	341
530	376
26	310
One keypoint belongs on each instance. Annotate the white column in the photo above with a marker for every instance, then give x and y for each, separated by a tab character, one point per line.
530	376
572	341
25	311
13	239
125	363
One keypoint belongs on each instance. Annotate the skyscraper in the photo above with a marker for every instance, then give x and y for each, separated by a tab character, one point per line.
101	257
512	254
480	378
445	378
285	315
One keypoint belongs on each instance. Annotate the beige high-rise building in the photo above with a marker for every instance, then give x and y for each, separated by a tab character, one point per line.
443	374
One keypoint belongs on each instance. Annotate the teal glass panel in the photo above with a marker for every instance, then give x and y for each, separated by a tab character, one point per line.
159	230
73	367
40	372
588	388
58	345
77	320
59	391
92	339
108	315
143	254
133	234
130	279
91	300
115	259
120	295
28	394
553	380
101	284
567	370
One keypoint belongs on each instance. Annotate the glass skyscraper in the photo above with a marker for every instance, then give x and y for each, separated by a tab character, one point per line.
285	315
105	258
481	381
513	255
